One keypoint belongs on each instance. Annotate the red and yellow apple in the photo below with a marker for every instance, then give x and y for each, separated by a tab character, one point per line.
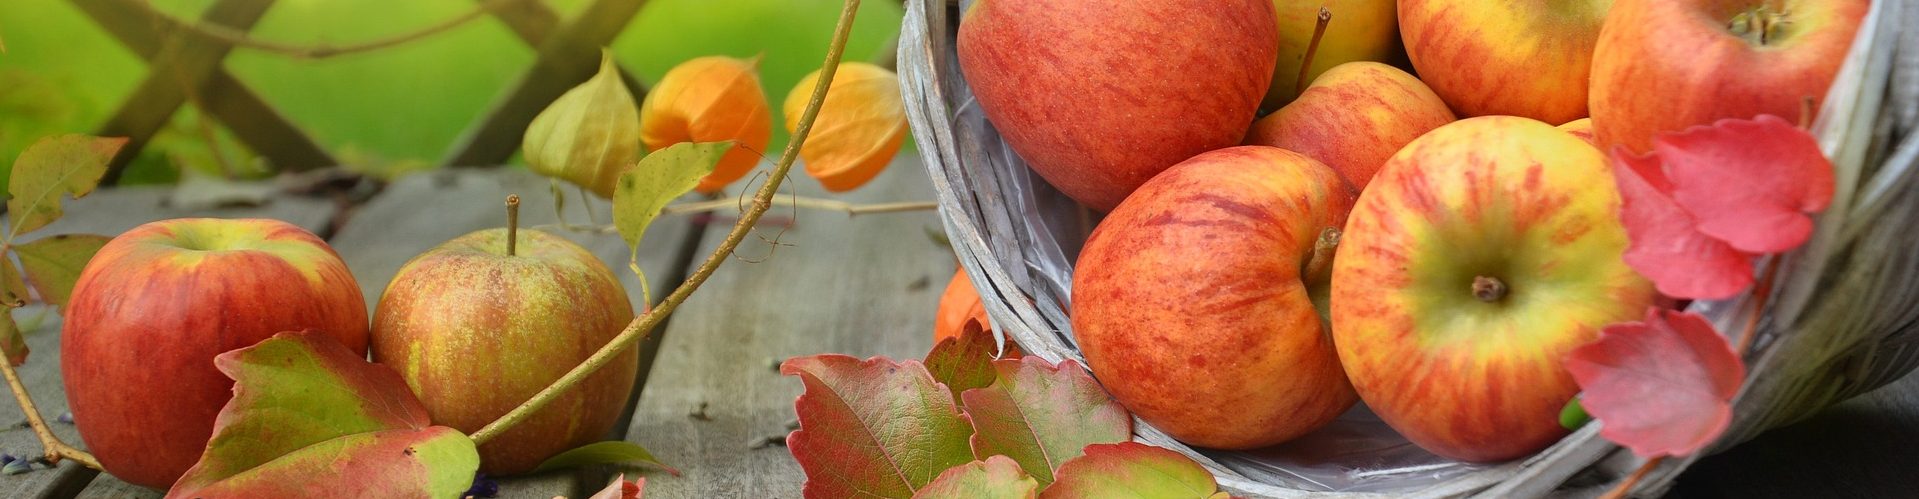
153	308
1530	58
1195	302
476	330
1359	30
1100	96
1664	65
1354	117
1581	128
1483	252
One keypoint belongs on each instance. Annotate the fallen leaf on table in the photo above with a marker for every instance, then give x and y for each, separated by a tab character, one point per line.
874	427
1661	387
1042	415
997	477
963	362
1132	470
608	452
621	488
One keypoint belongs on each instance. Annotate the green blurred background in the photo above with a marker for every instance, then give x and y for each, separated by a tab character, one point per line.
388	111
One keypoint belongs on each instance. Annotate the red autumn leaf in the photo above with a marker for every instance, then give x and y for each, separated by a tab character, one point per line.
997	477
1750	183
1661	387
1043	415
874	427
1132	469
963	362
304	406
621	488
1665	244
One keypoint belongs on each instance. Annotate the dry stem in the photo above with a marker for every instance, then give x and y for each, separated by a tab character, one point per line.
762	201
239	38
55	449
1624	487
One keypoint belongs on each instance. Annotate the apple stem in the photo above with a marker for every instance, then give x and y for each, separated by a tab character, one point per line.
1805	112
762	201
1489	289
512	223
1320	264
1312	47
53	449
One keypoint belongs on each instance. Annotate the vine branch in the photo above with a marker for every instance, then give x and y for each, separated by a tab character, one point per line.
240	38
762	201
54	448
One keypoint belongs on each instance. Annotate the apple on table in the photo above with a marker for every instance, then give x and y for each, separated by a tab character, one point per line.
153	308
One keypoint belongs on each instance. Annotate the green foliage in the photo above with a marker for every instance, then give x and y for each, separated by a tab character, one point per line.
997	477
54	168
53	264
644	189
608	452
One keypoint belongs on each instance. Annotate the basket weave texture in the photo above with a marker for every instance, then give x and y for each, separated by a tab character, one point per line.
1844	318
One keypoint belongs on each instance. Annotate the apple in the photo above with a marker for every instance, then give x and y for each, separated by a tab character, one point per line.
1354	117
1666	65
1196	301
1581	128
1529	58
153	308
1099	96
476	327
1359	30
1483	252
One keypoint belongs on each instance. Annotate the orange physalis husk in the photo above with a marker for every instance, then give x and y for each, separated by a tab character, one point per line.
711	99
589	134
860	127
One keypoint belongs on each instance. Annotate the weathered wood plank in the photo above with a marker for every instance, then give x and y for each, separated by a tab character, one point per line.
421	211
244	112
862	286
108	212
565	59
184	63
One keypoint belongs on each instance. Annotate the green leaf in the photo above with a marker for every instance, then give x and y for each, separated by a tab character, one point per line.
305	407
964	362
644	189
65	164
1573	415
11	341
1042	415
13	289
873	428
998	477
53	264
608	452
588	134
1132	469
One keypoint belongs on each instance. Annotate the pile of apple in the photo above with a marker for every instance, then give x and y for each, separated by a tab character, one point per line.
475	326
1254	279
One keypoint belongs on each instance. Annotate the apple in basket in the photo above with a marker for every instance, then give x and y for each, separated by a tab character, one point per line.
1354	117
1483	252
157	303
1530	59
1198	302
477	325
1664	65
1099	96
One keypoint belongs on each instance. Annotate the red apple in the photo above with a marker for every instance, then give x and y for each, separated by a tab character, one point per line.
476	330
1195	300
1528	58
1100	96
1664	65
1582	128
156	304
1483	252
1354	117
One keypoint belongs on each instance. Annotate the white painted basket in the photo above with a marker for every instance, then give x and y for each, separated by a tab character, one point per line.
1857	280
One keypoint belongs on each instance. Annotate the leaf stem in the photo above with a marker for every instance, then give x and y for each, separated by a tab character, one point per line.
54	448
512	223
1625	486
239	38
762	201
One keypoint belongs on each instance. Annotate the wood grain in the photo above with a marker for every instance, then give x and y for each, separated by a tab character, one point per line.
861	286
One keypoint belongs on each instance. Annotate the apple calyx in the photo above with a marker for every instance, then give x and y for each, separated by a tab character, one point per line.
1759	25
1489	289
1306	61
1319	266
512	222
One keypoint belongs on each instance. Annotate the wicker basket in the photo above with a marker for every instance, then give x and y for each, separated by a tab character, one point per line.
1844	320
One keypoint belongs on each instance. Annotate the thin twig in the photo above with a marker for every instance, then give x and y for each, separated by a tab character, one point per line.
239	38
1760	294
1625	486
55	449
762	201
806	202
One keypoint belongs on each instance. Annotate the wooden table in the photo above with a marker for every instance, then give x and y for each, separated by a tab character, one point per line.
713	403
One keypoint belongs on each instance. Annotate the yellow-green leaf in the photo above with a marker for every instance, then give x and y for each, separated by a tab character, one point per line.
11	341
660	178
52	167
588	134
13	289
608	452
998	477
53	264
